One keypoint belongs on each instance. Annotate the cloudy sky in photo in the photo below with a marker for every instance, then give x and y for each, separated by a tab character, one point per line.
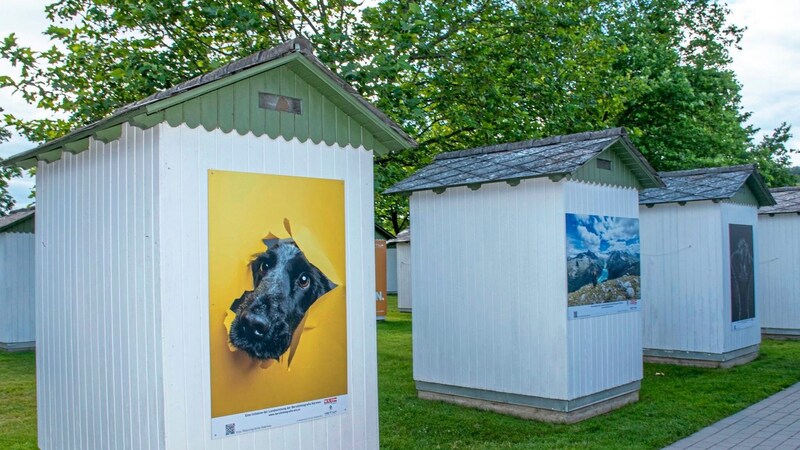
601	235
767	66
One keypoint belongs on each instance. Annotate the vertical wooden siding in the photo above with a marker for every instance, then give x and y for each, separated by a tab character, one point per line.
391	269
683	277
604	351
186	157
98	328
489	288
743	337
779	284
17	283
403	275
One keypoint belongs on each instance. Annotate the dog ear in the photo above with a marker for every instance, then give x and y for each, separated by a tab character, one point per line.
270	240
238	302
287	226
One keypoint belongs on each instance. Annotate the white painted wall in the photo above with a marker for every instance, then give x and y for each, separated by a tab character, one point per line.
779	283
682	277
604	351
403	275
98	333
489	288
17	324
686	277
751	335
184	160
122	291
391	270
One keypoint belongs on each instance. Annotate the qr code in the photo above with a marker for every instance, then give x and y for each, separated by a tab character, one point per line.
230	429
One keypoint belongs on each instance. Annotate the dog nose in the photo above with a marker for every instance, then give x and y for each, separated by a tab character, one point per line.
257	323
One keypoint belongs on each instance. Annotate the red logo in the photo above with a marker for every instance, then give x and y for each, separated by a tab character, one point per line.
331	400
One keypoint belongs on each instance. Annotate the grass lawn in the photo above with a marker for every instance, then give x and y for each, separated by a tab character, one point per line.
675	402
17	401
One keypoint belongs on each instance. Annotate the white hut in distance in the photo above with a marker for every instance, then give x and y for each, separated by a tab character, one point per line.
403	251
698	274
502	319
779	283
17	321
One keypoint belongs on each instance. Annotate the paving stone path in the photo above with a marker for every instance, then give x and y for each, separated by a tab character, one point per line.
773	423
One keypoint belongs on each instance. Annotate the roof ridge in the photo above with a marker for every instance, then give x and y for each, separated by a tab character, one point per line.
19	210
708	170
785	189
297	44
541	142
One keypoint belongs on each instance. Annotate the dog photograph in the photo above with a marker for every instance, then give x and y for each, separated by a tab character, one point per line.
277	298
285	285
743	289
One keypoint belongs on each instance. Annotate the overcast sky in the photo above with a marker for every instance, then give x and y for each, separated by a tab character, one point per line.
768	66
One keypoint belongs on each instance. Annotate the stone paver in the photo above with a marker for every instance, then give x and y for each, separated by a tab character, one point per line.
771	424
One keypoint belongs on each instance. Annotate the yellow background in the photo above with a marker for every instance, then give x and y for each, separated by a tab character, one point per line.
242	209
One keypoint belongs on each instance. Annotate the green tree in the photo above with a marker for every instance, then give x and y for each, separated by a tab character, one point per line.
454	73
6	173
108	53
774	158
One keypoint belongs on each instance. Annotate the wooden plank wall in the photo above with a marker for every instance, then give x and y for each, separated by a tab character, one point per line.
17	324
489	288
779	283
403	276
682	277
751	335
98	333
391	270
186	156
604	351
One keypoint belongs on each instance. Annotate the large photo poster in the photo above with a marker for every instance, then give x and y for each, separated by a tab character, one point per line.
602	265
277	300
743	290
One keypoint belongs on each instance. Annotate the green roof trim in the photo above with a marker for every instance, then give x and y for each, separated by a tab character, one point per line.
622	170
227	99
745	196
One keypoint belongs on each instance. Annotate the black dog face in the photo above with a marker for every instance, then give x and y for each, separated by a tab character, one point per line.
285	285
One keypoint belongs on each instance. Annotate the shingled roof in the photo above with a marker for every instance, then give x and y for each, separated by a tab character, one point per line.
14	217
557	155
787	200
150	105
713	183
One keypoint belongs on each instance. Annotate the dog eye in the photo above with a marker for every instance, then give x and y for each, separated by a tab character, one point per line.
303	280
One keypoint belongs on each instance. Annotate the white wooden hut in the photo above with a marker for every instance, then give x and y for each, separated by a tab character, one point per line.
391	258
403	266
525	275
154	230
17	320
698	273
779	278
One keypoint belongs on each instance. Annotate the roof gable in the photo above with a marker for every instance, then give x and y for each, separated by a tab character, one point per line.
713	183
383	233
18	221
556	156
787	201
227	98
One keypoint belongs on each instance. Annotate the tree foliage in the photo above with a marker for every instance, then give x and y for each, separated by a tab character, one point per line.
454	73
6	173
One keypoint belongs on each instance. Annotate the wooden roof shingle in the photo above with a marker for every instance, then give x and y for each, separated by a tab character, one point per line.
712	183
787	201
557	155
